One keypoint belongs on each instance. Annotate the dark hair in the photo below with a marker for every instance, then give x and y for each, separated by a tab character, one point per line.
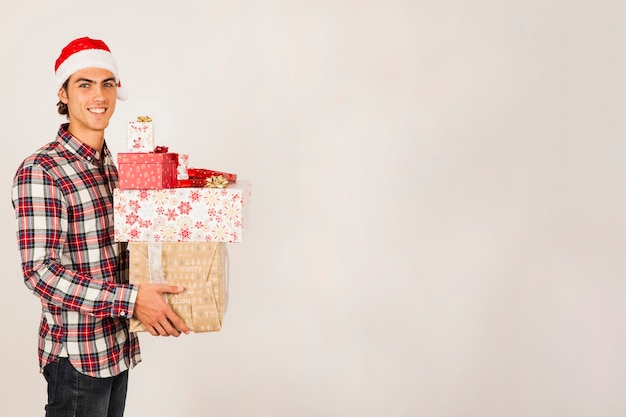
62	107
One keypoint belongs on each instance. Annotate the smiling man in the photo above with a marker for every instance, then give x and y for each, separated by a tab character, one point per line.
63	199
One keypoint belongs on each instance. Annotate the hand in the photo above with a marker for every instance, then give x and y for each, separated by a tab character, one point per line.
152	310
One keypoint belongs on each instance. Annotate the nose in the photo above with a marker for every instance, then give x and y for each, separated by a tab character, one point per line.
98	92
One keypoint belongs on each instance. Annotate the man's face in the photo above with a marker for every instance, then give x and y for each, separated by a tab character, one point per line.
90	97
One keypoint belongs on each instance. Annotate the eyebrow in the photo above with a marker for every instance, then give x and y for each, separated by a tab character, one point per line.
87	80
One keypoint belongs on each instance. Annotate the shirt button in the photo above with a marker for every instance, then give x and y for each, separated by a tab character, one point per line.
123	314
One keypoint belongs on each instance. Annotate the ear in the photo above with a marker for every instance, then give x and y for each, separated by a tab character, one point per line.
63	95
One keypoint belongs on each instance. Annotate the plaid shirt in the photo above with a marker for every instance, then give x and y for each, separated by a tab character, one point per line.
62	195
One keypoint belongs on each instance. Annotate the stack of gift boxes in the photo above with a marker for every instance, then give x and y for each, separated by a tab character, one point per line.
177	221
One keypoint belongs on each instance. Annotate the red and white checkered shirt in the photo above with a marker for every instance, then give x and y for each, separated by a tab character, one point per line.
63	199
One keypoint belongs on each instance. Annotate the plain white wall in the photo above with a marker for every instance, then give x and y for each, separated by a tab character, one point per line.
438	222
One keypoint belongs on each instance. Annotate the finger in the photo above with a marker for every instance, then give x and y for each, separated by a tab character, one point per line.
153	331
170	330
178	323
163	330
171	289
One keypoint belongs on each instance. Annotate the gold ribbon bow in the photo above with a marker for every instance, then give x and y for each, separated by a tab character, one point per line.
144	119
216	182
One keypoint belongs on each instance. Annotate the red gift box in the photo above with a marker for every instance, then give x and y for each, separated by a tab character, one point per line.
201	173
192	183
150	171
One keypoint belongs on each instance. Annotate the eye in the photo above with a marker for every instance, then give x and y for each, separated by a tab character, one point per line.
109	84
83	85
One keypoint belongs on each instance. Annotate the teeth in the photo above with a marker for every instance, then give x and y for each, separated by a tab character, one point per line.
97	110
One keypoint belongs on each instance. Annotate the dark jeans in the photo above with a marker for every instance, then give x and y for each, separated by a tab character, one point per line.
72	394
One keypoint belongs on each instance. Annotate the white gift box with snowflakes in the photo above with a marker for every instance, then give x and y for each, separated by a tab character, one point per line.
140	136
182	214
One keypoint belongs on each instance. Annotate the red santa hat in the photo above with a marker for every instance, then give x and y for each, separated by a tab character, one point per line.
84	53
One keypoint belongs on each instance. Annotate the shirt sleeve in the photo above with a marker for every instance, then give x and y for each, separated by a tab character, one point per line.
42	228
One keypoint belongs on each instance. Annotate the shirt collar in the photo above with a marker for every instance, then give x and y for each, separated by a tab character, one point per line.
78	148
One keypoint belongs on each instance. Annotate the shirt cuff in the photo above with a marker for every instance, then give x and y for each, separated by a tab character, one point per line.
124	304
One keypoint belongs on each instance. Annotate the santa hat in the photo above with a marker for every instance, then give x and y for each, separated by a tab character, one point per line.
84	53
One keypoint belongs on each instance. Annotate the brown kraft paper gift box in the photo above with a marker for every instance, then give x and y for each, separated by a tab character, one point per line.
200	267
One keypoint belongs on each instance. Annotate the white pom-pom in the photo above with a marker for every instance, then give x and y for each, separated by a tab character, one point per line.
122	94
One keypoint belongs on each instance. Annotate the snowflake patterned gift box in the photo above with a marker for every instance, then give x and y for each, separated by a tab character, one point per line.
140	136
147	170
182	214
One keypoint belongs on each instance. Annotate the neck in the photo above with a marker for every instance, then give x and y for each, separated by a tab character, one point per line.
92	138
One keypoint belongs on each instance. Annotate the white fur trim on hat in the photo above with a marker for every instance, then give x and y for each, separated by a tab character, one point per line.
89	58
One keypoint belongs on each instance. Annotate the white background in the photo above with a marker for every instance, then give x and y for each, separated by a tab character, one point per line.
438	222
